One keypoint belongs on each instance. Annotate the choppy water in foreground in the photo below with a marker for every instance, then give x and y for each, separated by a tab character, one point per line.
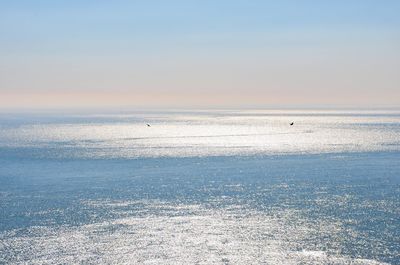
207	187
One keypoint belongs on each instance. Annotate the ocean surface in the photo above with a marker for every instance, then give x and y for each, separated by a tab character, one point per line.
200	187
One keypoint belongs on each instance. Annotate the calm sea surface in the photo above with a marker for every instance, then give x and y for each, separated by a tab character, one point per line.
200	187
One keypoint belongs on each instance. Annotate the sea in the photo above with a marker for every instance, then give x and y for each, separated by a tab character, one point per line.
200	187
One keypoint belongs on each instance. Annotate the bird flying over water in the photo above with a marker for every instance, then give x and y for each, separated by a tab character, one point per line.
291	123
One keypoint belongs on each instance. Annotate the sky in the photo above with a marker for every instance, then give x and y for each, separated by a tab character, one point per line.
199	53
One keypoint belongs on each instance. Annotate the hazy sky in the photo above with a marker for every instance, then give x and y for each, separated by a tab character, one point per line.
204	53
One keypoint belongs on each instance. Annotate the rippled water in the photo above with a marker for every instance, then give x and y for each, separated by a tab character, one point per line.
206	187
199	134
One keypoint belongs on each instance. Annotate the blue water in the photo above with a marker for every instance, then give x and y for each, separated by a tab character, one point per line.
206	187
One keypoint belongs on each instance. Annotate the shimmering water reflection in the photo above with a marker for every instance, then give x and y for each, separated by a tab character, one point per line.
186	134
200	188
162	233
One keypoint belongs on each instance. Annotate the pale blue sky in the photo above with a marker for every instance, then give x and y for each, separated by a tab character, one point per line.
203	53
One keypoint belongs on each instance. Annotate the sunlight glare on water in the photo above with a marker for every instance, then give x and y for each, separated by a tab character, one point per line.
179	234
215	134
204	187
